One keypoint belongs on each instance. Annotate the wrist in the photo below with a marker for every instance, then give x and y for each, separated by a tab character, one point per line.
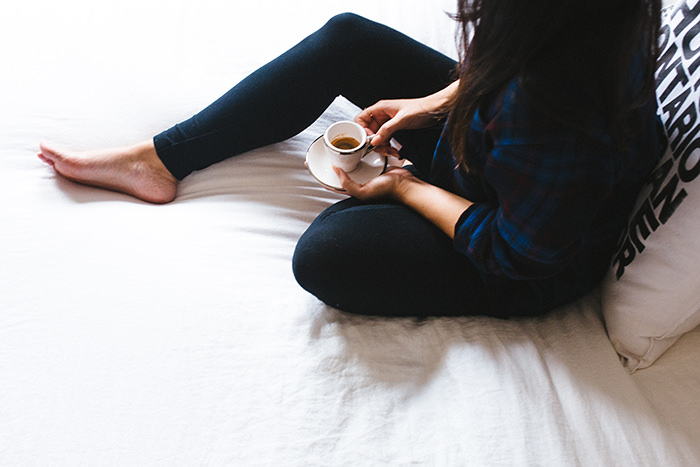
441	99
406	187
439	206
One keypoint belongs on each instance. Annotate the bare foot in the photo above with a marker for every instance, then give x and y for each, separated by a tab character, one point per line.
134	170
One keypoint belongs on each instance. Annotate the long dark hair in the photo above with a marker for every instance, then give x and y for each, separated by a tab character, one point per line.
554	47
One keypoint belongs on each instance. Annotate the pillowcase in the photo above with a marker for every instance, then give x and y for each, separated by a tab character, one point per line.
651	296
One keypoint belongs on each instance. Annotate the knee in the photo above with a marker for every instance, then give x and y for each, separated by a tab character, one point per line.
320	248
310	263
346	24
300	263
345	21
321	267
324	261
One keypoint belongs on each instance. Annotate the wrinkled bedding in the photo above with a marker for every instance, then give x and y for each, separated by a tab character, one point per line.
134	334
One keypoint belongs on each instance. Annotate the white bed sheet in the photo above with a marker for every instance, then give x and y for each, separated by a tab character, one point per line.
133	334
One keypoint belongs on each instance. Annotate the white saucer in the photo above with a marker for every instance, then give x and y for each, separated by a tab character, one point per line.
372	165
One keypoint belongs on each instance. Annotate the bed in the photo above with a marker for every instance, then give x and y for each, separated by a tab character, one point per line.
141	335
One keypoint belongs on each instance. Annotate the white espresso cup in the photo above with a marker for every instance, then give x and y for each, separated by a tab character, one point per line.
346	144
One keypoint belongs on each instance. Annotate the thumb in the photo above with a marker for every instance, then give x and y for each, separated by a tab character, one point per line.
384	133
348	185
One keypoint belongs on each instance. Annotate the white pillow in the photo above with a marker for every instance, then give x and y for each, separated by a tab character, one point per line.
651	295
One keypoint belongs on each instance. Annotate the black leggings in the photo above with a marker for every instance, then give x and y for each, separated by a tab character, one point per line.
379	259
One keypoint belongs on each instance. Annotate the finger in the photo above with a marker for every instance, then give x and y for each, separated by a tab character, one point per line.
365	116
384	133
349	185
367	119
386	149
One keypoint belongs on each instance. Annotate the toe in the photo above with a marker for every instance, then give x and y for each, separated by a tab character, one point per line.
45	159
48	152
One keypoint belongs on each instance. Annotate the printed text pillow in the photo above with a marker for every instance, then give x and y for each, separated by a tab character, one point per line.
651	296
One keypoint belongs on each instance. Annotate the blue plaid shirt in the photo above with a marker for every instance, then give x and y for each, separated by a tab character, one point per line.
550	200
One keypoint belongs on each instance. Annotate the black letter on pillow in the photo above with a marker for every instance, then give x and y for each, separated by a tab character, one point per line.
689	174
664	36
662	65
657	177
641	222
673	107
688	16
670	203
624	257
689	53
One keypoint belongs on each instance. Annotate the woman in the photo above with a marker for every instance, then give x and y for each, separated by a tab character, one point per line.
511	207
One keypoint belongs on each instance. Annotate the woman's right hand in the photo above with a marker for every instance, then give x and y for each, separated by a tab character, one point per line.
386	117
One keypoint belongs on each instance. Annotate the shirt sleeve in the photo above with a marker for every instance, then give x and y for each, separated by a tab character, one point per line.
549	181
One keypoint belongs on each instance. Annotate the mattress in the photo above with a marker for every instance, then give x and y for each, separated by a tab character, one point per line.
141	335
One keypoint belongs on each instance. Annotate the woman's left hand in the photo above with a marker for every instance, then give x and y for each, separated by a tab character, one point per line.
386	186
439	206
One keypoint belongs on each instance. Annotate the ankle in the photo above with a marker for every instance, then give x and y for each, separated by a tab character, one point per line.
146	153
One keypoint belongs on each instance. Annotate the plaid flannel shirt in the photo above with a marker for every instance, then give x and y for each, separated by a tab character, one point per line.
550	200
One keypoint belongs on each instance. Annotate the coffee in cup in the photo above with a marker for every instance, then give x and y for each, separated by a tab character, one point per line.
346	144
